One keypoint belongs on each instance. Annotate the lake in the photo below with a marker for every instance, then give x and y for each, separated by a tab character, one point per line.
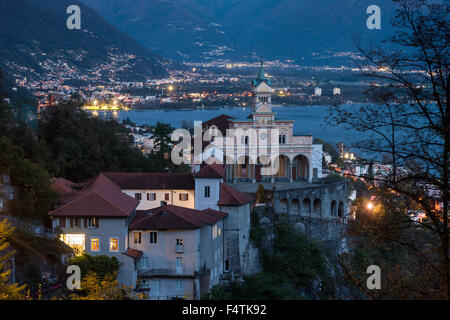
308	119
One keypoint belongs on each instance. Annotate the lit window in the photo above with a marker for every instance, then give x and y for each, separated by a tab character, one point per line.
95	244
137	237
179	242
114	244
151	196
153	237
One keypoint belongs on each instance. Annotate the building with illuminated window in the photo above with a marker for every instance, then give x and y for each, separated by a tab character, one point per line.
177	245
93	217
263	140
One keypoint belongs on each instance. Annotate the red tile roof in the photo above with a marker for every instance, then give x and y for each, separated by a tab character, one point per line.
136	254
175	217
62	185
232	197
152	180
211	171
102	198
222	122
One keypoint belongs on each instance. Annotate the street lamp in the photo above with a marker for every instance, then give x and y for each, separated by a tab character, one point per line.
370	205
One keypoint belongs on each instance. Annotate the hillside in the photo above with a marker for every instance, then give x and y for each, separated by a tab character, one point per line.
35	42
304	30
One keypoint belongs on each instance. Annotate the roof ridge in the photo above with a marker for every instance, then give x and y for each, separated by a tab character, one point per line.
76	197
112	203
183	208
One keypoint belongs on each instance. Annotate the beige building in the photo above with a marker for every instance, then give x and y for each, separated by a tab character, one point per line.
151	189
262	141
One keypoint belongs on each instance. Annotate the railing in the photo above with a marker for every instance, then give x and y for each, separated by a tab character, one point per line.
32	226
179	248
168	269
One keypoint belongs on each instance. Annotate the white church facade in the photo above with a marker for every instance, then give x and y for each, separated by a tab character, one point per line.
262	138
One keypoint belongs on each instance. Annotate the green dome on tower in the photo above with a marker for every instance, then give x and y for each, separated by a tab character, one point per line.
261	76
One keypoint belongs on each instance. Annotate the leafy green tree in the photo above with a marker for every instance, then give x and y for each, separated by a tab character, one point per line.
8	291
294	256
101	265
95	288
161	155
261	194
81	146
23	159
328	147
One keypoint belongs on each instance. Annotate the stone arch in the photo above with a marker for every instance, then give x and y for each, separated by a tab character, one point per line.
295	206
282	164
300	168
284	205
317	207
340	212
306	207
333	209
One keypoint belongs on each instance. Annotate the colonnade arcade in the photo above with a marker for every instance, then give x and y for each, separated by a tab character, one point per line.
295	168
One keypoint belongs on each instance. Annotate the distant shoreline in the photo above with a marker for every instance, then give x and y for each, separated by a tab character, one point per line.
211	108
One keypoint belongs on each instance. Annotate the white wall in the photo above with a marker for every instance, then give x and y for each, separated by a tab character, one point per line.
317	159
108	228
204	203
162	255
174	199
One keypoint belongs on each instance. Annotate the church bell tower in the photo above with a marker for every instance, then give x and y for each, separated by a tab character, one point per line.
261	89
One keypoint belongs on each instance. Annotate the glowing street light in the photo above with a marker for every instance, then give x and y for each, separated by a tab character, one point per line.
370	205
170	88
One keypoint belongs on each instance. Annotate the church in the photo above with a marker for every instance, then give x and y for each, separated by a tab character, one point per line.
264	150
262	140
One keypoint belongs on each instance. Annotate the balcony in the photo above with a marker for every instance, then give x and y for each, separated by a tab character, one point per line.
179	248
171	272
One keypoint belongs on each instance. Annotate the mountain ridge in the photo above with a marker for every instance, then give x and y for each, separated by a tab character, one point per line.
241	29
34	31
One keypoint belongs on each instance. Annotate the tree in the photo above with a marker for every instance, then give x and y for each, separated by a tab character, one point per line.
410	119
8	291
261	194
96	288
23	159
81	146
101	265
384	236
161	155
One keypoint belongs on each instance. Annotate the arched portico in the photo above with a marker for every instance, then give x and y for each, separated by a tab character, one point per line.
300	168
294	208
